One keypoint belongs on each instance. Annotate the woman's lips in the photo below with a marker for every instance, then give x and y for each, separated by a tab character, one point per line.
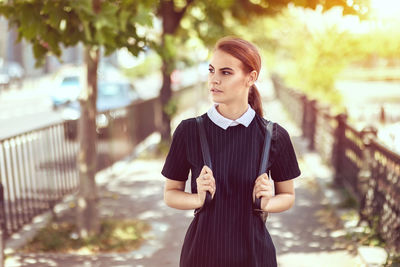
214	90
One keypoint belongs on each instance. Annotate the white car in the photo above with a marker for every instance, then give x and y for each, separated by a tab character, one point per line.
67	91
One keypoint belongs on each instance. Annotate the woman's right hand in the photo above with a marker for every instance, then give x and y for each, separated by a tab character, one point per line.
205	182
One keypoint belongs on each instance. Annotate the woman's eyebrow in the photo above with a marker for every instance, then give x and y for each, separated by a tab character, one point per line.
221	69
226	68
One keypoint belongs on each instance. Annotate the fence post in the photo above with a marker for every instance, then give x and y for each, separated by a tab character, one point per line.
304	100
3	230
339	146
276	85
312	121
365	173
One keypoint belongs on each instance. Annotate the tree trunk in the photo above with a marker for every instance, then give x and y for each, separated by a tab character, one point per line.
170	22
87	210
165	96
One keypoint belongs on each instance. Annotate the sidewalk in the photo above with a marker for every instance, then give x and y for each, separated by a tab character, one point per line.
308	235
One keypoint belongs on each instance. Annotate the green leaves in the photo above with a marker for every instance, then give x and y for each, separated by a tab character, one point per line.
143	16
49	24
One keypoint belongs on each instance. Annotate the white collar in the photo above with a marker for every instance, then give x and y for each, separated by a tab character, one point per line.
224	123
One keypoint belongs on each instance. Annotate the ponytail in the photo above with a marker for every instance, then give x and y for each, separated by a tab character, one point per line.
254	100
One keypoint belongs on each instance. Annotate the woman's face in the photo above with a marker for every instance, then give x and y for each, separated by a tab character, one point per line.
227	82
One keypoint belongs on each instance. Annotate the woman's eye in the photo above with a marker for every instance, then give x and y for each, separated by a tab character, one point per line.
226	73
211	70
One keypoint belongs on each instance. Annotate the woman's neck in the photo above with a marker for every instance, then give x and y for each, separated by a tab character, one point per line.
232	112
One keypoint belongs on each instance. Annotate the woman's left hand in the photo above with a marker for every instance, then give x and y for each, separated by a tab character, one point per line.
263	187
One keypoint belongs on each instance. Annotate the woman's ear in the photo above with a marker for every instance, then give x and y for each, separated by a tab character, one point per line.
252	78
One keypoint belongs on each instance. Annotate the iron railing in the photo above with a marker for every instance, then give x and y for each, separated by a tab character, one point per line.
39	168
369	170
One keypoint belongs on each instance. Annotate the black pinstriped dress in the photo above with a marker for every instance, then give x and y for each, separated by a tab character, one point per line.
227	233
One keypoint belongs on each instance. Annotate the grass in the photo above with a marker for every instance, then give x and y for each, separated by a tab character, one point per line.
115	236
369	236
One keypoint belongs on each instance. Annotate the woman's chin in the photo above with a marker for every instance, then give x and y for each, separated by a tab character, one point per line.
216	99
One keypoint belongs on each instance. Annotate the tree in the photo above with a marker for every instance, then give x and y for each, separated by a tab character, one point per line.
50	25
309	49
210	20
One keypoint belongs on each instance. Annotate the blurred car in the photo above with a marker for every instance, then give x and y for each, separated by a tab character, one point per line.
69	81
4	78
111	95
16	72
11	73
67	91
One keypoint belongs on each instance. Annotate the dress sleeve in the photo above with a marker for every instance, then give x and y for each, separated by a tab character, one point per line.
284	166
176	166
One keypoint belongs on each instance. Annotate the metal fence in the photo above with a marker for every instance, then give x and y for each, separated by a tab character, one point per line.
367	169
39	168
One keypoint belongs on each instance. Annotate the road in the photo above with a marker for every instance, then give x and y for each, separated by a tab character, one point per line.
27	108
30	107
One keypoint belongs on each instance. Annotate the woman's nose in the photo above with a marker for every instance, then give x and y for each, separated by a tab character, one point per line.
215	80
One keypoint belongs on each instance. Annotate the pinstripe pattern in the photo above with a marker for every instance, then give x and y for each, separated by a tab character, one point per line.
228	233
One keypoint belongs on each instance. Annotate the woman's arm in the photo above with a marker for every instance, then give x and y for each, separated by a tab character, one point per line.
283	199
176	197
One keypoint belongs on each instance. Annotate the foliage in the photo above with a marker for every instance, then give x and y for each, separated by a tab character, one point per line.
150	64
306	50
172	107
115	236
48	24
209	20
369	236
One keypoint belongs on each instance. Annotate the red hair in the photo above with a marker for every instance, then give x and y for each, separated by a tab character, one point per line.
248	54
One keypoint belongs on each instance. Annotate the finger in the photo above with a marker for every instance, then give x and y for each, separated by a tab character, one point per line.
207	176
261	178
209	188
203	170
203	187
203	182
207	169
264	182
266	194
264	176
213	192
264	187
200	179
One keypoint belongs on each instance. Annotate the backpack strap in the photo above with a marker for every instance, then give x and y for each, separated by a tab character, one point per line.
264	165
206	157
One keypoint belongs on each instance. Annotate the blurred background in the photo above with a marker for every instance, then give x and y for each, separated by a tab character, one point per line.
323	61
348	60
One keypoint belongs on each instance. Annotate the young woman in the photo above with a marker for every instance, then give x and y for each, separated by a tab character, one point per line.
227	232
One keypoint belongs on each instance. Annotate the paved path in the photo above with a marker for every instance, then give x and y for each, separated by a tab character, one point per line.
307	235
